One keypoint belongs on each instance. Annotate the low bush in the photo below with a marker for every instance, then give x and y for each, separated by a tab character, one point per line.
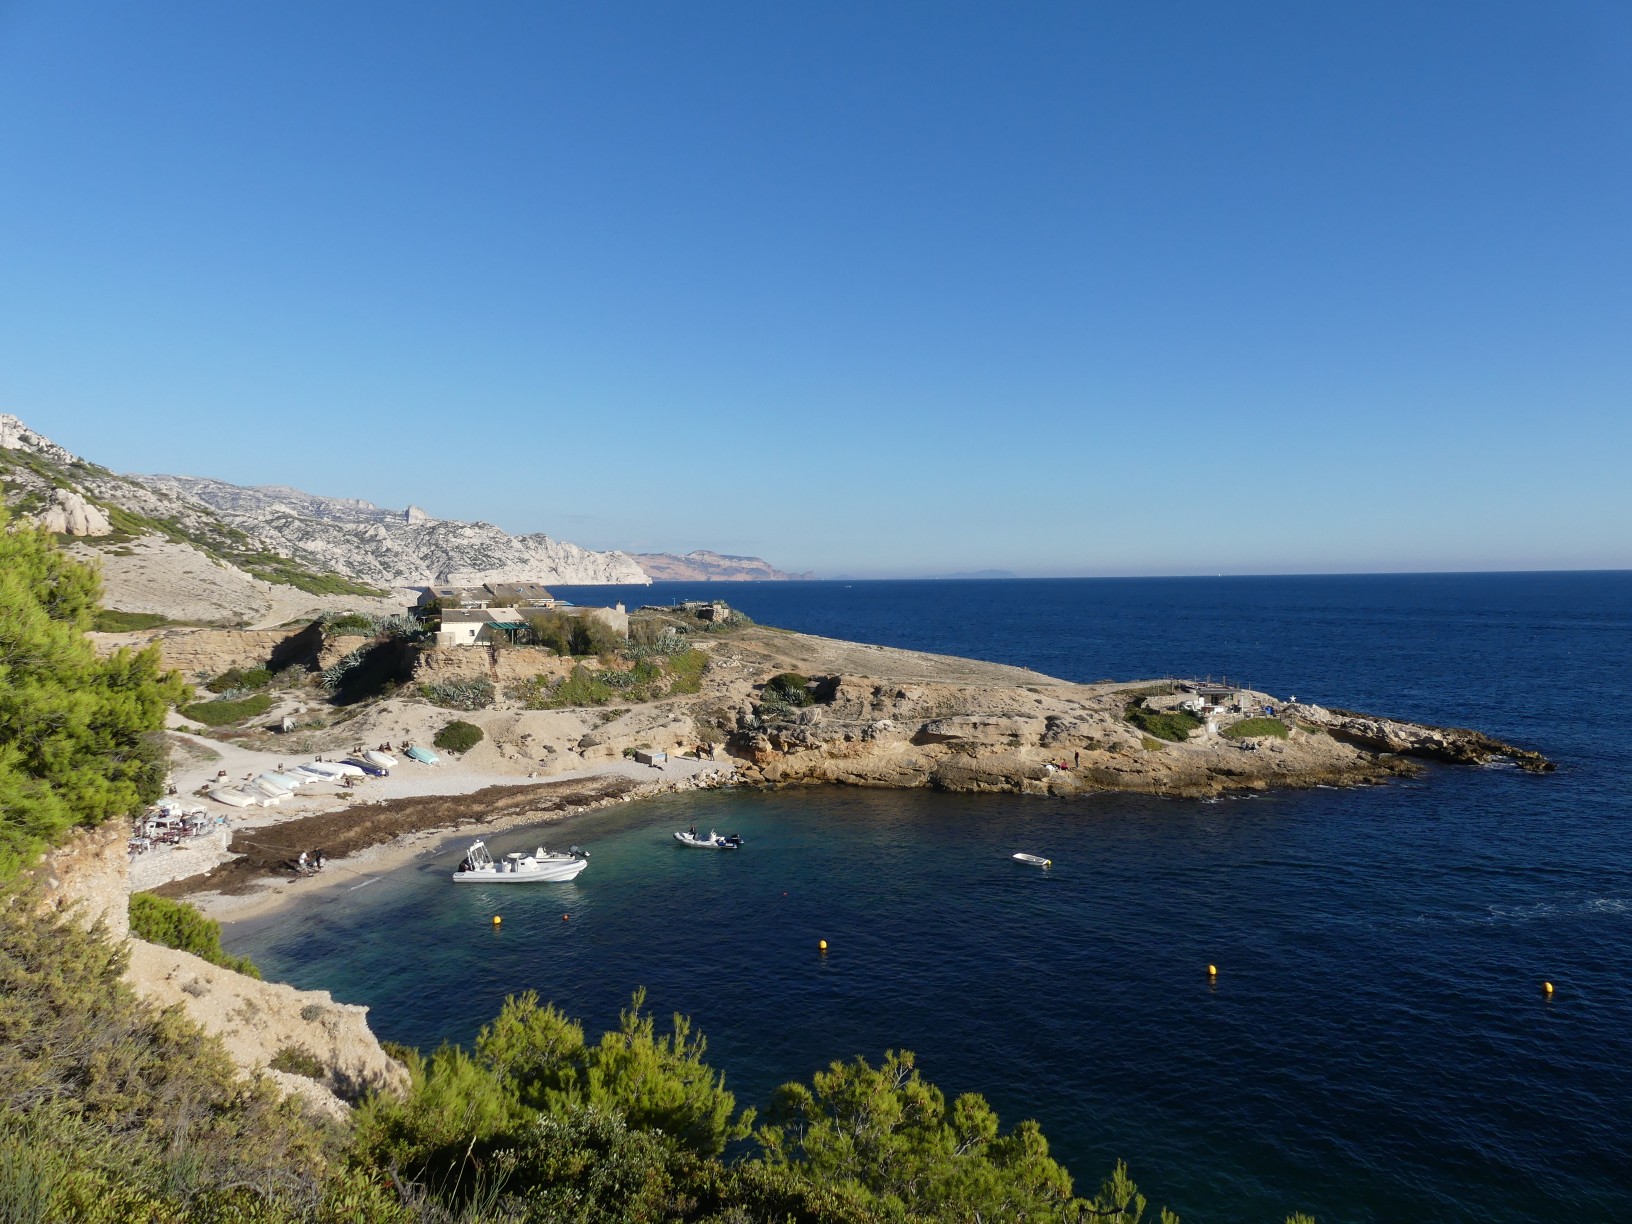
472	694
175	924
458	736
236	679
1252	728
1172	725
790	689
687	670
297	1060
110	620
222	713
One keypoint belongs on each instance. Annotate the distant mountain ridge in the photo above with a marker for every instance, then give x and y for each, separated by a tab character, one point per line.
702	565
397	547
283	535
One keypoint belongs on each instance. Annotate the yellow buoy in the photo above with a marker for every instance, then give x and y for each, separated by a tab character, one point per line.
1212	970
1546	988
497	920
821	945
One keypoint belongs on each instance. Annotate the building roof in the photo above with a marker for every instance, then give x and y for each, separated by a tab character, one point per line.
517	590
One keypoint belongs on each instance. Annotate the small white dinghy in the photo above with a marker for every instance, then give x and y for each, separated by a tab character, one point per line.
714	841
479	866
1036	860
232	797
383	759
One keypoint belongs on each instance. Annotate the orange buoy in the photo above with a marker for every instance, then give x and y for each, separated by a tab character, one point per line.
566	917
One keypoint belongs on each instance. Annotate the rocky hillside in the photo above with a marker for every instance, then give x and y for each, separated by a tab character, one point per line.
705	566
396	547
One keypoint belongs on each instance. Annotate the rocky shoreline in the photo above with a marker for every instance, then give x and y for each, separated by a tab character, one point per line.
857	715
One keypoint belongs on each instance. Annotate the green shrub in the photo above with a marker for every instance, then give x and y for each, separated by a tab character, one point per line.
110	620
1173	725
790	689
343	623
473	694
235	679
458	736
1251	728
297	1060
687	671
175	924
224	712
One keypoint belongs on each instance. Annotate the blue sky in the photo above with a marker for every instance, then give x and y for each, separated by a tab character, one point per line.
874	289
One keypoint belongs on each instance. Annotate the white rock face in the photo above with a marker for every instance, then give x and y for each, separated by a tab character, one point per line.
71	514
14	435
396	547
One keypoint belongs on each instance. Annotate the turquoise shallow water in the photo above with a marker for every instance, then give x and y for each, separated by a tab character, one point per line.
1376	1046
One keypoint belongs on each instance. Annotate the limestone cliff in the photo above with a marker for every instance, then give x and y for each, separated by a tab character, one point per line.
704	566
396	547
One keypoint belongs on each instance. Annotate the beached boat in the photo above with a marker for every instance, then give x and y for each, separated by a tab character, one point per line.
480	867
232	797
714	841
282	781
383	759
1036	860
367	767
312	776
423	755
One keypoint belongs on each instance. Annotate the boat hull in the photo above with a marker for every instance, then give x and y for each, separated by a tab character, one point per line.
549	873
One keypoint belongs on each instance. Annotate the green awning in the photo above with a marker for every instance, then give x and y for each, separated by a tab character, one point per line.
508	624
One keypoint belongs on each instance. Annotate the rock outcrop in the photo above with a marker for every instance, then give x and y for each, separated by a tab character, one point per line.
1458	745
70	514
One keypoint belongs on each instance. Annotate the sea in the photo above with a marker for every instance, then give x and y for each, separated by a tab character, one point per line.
1376	1045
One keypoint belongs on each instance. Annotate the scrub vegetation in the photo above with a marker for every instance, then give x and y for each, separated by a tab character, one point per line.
225	711
458	736
1252	728
1174	726
175	924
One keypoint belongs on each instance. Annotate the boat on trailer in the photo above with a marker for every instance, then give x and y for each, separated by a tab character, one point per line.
714	841
1035	860
480	867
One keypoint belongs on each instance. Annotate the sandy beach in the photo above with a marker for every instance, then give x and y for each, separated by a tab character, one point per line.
247	870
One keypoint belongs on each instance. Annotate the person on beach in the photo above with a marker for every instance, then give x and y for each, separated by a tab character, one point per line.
318	860
300	864
1078	764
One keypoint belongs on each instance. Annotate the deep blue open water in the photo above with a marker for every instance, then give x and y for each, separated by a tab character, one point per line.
1376	1046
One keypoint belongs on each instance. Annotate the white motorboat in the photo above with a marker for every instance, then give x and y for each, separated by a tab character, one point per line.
281	781
714	841
480	867
1036	860
329	771
311	776
232	797
383	759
